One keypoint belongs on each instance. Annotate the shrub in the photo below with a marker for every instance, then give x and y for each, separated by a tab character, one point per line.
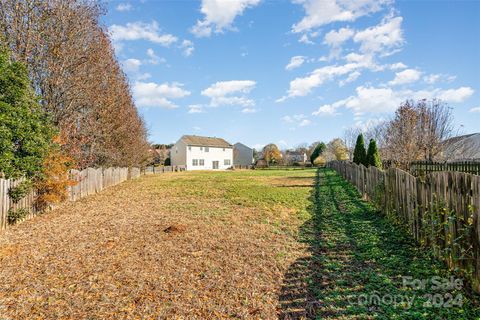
19	192
359	153
319	149
15	215
373	157
52	186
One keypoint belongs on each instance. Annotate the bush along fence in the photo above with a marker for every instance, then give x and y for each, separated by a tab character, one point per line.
440	210
86	182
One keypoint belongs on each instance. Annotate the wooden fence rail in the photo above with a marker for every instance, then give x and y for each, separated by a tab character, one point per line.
88	181
440	210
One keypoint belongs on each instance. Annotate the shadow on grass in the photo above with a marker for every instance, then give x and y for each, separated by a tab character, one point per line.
354	252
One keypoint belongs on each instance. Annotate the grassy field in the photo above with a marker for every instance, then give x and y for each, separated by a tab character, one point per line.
256	244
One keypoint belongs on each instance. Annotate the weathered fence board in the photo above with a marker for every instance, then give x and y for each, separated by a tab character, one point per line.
441	209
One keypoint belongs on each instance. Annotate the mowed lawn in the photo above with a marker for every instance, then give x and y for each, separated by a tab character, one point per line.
176	245
208	245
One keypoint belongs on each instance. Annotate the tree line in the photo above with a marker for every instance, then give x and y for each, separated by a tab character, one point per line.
64	100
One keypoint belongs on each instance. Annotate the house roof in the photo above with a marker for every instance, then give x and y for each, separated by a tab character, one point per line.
192	140
462	147
241	144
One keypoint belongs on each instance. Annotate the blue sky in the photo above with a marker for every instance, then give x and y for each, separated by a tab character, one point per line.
290	72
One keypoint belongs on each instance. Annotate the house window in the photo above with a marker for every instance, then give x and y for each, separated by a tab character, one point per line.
226	162
202	162
201	148
189	148
223	149
195	162
207	149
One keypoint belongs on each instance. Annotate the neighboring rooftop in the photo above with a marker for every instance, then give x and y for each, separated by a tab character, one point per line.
192	140
466	147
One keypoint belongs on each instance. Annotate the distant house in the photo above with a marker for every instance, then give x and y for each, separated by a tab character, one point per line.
202	153
465	147
295	157
242	155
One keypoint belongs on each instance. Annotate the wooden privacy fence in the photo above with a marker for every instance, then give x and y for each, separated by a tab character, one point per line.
88	181
440	210
418	168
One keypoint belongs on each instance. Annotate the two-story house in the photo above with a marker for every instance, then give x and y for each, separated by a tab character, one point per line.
202	153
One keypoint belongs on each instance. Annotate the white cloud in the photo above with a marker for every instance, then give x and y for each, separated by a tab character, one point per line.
295	62
397	66
249	110
454	95
187	47
123	7
150	94
351	77
384	38
154	59
475	109
387	100
302	86
304	123
131	65
230	93
305	39
335	38
405	76
434	78
195	108
141	31
297	119
326	110
322	12
219	15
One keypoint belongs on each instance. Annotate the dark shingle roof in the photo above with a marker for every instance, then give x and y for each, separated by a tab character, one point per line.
205	141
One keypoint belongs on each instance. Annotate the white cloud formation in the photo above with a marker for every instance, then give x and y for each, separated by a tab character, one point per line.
154	59
387	100
141	31
249	110
195	108
122	7
434	78
131	65
397	66
335	38
475	109
295	62
297	119
150	94
187	47
351	77
231	92
219	15
326	110
322	12
384	38
406	76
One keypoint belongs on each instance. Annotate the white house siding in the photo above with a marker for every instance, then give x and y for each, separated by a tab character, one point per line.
213	154
178	154
242	155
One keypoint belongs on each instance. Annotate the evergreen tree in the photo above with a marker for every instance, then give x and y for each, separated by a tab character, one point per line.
319	149
359	153
373	157
25	132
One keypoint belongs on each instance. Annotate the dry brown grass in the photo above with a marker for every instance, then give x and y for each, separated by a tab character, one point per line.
232	237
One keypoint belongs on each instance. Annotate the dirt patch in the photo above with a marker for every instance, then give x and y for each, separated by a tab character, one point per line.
175	228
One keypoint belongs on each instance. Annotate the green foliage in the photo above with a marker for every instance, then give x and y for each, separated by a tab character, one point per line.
19	192
25	132
319	149
373	157
15	215
360	154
